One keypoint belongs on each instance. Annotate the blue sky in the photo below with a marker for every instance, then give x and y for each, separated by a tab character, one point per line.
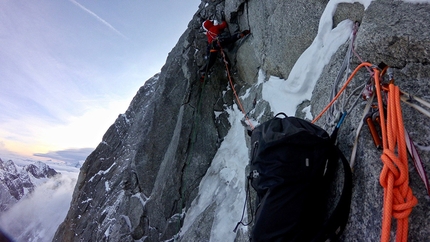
69	67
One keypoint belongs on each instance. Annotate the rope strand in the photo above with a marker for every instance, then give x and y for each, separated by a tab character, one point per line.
232	87
341	90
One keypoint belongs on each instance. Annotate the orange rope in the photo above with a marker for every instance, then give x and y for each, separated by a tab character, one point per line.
394	178
232	87
341	90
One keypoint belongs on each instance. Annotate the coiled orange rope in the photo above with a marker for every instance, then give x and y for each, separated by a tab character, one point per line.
394	178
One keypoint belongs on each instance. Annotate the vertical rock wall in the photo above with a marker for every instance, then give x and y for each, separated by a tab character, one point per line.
137	182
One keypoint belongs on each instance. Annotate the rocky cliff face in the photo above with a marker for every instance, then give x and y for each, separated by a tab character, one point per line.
17	183
145	180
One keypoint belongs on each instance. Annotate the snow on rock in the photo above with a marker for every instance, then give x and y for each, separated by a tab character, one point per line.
286	95
19	181
101	172
223	184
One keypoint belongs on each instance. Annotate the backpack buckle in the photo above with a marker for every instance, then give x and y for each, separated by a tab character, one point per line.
255	174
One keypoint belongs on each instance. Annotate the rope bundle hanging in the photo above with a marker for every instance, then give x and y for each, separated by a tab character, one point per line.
394	178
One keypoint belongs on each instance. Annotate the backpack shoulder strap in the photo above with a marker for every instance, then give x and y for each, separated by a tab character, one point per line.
336	223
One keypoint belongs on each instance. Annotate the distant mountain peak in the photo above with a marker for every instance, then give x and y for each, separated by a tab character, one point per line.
40	170
16	182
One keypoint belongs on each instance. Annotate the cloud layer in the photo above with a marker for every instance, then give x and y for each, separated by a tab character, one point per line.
70	156
37	217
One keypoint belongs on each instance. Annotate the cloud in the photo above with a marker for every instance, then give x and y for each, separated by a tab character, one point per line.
37	217
98	18
68	155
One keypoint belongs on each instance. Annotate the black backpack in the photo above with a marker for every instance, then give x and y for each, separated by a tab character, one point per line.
293	164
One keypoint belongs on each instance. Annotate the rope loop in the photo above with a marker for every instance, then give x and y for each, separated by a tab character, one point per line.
391	163
404	203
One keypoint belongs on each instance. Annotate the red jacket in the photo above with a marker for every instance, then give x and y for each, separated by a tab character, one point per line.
212	31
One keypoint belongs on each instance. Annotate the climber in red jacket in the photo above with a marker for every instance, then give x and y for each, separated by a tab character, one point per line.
215	42
213	29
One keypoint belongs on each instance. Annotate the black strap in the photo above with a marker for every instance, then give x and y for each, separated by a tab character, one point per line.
247	196
336	223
